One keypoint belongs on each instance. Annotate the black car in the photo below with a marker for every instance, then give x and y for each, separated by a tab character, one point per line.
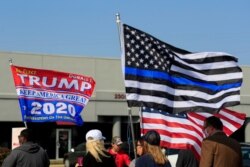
245	149
76	154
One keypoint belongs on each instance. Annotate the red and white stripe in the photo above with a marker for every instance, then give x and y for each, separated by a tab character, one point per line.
231	120
182	133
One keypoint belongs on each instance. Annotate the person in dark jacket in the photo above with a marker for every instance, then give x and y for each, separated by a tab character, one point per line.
153	156
97	155
28	154
186	158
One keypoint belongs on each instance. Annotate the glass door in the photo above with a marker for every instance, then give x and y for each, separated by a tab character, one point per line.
63	142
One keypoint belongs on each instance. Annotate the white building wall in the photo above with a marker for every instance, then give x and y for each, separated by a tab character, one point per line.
108	98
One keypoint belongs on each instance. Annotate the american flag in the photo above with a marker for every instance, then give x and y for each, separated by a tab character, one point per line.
164	77
184	131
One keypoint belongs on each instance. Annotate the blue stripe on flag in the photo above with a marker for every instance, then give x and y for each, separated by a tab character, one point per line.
177	80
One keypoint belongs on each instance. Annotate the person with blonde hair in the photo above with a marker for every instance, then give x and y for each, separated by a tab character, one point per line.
97	155
153	155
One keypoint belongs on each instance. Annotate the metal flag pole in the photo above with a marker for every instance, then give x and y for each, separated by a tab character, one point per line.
118	21
132	130
11	63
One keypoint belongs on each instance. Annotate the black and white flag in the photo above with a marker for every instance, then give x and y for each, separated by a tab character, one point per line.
161	76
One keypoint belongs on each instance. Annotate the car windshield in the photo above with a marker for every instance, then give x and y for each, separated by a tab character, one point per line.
246	155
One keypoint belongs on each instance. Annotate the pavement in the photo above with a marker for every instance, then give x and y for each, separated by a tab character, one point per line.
56	163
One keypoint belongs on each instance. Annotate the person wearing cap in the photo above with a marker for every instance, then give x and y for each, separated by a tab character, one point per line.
121	157
97	155
28	154
153	156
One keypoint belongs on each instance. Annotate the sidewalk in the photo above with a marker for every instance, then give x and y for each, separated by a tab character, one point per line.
56	163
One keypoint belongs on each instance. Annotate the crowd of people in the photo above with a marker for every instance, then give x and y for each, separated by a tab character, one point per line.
217	150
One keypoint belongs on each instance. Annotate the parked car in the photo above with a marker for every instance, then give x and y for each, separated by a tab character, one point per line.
71	158
245	149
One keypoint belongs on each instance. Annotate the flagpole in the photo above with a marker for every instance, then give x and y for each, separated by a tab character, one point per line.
132	130
11	63
118	22
141	125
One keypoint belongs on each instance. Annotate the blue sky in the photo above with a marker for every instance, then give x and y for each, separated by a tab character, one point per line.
88	28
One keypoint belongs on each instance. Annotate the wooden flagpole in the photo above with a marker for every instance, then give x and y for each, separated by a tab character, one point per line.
118	21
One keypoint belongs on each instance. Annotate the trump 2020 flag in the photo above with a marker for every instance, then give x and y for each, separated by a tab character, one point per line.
161	76
49	96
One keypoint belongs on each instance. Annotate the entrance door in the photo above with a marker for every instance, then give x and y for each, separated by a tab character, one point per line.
63	142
